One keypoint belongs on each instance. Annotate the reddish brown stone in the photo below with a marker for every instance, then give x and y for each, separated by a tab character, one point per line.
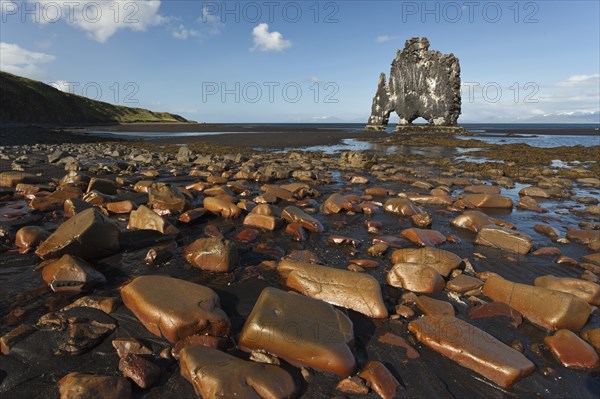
464	283
547	251
84	386
572	351
103	303
335	203
277	324
495	309
175	308
14	336
472	348
475	220
360	292
293	214
353	385
396	340
213	254
126	346
88	235
505	239
71	274
266	222
146	219
29	237
402	207
593	337
431	199
368	263
482	189
55	200
585	290
343	240
590	238
215	374
421	220
246	236
209	341
434	307
546	230
415	277
423	237
550	309
442	261
380	379
73	206
296	231
223	207
488	200
192	215
140	370
120	206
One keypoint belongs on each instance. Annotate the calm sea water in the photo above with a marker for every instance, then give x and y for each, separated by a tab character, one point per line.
489	133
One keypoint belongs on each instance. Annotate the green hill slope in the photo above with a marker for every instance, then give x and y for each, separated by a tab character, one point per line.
29	101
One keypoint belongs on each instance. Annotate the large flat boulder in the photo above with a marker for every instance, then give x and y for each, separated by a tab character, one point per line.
488	200
504	239
475	220
415	277
357	291
88	235
572	351
549	309
175	308
586	290
215	374
472	348
442	261
305	332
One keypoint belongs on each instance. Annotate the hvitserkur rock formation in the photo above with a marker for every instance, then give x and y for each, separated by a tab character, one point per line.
423	84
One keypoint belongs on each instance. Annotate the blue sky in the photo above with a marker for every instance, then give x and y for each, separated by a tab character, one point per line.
312	61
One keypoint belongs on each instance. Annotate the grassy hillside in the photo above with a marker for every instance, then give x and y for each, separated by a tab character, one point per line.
29	101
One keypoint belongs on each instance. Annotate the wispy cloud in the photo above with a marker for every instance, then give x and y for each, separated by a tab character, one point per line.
211	23
268	41
101	19
575	95
19	61
386	38
182	33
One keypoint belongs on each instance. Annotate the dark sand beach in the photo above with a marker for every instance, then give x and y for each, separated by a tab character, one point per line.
364	185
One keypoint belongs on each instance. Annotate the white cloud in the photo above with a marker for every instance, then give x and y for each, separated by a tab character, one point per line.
576	95
101	19
268	41
181	32
63	86
208	25
211	23
581	80
19	61
314	79
386	38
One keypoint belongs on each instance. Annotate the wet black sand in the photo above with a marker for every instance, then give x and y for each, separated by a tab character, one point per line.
33	369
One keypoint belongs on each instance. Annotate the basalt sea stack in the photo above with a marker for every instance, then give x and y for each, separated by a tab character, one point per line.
422	83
